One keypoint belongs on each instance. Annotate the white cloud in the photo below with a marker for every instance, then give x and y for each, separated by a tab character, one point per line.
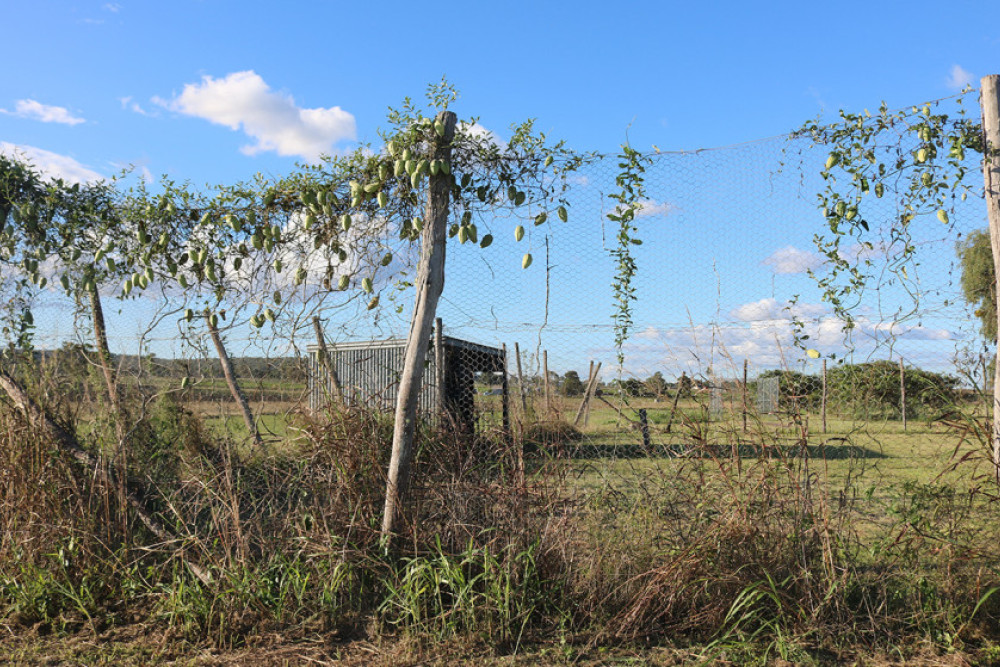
767	310
43	112
132	105
959	78
649	208
112	7
51	165
792	260
477	131
243	100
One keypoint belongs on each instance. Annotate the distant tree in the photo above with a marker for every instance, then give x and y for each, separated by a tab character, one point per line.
979	281
571	384
872	389
656	385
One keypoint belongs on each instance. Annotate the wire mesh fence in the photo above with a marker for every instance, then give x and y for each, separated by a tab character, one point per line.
727	305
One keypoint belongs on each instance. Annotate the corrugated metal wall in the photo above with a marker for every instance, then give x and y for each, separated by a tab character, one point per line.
369	376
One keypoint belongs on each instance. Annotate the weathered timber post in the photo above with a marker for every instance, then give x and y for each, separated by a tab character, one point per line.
326	362
505	388
902	392
644	428
823	398
233	381
990	100
545	375
429	284
744	395
520	384
104	357
588	392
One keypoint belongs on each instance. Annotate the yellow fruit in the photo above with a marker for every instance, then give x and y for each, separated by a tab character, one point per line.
343	283
526	261
561	212
268	314
518	233
185	382
345	222
548	160
463	234
813	354
922	155
383	199
439	128
366	285
541	218
942	215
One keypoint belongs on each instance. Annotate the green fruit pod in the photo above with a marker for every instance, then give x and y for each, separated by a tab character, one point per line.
276	297
519	198
439	128
562	213
511	193
407	155
149	273
424	166
942	215
548	160
373	303
76	254
541	218
213	320
445	167
922	155
188	314
841	208
399	169
277	265
372	188
343	283
463	234
851	213
415	179
143	236
269	315
186	382
518	233
345	222
473	233
110	263
64	281
237	263
366	285
99	255
391	147
234	223
435	167
256	321
210	273
42	282
387	259
926	179
205	218
467	218
487	241
383	200
269	199
418	224
526	260
300	275
182	281
879	190
383	171
257	240
269	244
832	160
310	221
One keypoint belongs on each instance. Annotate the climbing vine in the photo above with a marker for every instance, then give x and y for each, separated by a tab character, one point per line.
629	201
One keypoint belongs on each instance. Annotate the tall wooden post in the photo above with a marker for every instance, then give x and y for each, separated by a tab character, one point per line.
327	362
520	384
505	388
233	381
744	395
902	393
429	284
990	99
104	357
545	383
823	398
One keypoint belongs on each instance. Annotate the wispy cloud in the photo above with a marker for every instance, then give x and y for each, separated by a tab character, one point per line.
793	260
244	101
649	208
51	165
959	78
130	104
45	113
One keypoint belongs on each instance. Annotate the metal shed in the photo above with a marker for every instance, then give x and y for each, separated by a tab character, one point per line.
368	373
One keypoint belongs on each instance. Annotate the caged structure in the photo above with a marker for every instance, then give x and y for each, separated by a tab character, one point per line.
367	373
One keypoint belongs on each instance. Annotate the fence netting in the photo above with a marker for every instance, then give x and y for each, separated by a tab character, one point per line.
729	332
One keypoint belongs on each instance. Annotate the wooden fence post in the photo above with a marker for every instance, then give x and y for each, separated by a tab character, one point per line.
441	367
823	398
429	284
744	395
545	375
327	363
990	100
234	383
902	392
520	384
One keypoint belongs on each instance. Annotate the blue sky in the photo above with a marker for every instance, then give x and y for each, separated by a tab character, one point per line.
214	92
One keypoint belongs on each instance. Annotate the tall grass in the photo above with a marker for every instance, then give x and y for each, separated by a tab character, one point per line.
762	555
